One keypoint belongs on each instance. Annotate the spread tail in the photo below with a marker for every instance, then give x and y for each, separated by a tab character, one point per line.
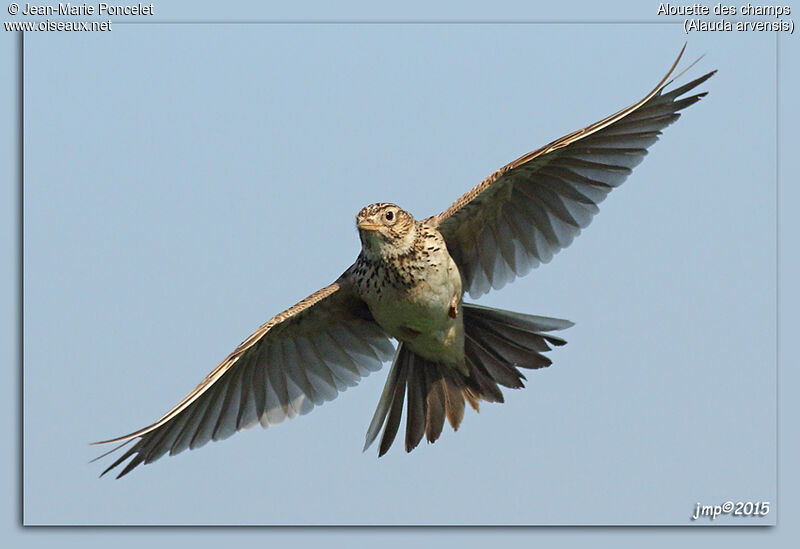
496	344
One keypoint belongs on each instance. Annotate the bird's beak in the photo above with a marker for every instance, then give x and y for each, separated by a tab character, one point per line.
364	226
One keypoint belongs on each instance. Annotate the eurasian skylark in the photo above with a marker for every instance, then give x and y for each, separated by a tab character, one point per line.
408	283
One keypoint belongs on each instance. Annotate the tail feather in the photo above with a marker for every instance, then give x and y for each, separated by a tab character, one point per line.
435	399
496	344
473	399
396	410
385	401
416	411
498	369
485	387
454	396
530	323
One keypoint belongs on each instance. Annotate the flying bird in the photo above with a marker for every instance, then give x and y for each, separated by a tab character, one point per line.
408	284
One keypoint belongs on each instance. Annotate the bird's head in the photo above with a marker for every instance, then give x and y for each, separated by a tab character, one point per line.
385	230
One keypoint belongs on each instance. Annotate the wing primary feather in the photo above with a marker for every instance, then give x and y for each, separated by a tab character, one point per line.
276	372
317	371
296	372
248	407
194	418
229	406
204	428
157	443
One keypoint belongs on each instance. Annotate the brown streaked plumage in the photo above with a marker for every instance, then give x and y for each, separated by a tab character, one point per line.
408	283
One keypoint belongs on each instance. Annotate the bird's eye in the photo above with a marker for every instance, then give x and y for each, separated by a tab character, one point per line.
389	215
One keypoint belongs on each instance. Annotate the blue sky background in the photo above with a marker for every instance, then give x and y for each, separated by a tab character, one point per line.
165	174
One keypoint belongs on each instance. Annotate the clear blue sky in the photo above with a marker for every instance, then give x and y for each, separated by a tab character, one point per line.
184	183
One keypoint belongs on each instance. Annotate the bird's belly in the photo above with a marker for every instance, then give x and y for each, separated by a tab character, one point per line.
426	316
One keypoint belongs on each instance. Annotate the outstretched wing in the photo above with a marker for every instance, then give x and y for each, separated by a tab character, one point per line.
299	359
530	209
